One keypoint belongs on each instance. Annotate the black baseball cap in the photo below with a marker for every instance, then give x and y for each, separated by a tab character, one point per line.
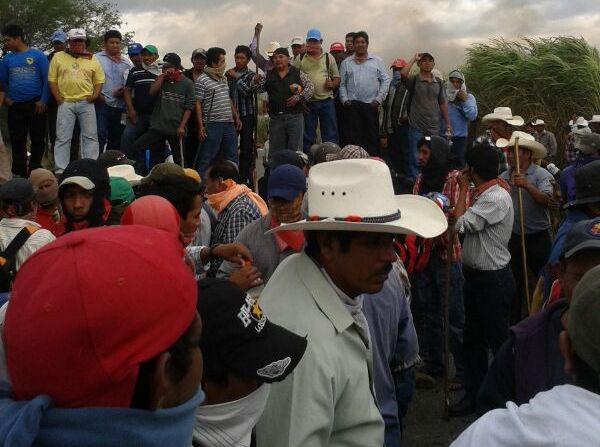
237	337
584	235
284	157
172	59
282	50
587	184
113	157
18	190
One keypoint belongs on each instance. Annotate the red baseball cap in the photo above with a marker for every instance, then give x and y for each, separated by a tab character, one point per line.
398	63
152	211
89	308
336	46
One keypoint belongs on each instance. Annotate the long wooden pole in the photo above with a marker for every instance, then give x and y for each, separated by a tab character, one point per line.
446	310
522	226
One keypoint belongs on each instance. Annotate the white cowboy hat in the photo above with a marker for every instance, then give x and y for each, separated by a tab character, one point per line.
581	121
127	172
526	141
358	195
595	119
538	122
273	45
504	114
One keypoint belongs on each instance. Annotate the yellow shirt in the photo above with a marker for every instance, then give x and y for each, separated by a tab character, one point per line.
316	70
75	76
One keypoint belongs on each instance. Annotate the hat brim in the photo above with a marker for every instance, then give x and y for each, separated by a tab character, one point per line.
269	358
284	193
419	215
514	121
586	245
583	201
538	150
82	182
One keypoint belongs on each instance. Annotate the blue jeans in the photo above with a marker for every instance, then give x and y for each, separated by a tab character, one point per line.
66	115
410	156
110	129
429	286
221	137
132	132
323	113
488	299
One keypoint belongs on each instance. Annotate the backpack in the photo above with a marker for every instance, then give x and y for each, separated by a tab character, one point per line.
8	257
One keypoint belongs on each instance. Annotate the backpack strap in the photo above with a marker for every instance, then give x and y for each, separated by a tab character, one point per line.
15	245
411	93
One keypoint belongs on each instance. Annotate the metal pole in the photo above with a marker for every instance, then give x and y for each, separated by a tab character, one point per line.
522	226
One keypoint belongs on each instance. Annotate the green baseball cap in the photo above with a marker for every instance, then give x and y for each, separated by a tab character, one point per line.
151	49
121	191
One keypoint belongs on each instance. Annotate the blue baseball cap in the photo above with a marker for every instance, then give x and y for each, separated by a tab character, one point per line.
313	33
134	49
286	182
58	36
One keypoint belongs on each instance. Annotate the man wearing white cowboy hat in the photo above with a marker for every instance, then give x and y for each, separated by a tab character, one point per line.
353	216
501	123
536	184
546	138
594	124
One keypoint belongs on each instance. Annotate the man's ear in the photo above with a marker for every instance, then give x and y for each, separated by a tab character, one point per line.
160	383
328	246
566	350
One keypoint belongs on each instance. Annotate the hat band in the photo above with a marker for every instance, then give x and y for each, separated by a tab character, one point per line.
351	218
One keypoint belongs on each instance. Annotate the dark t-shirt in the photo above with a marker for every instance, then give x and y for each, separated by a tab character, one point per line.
174	98
425	104
140	79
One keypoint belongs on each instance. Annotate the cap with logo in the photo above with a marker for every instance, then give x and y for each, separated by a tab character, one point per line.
313	34
199	52
58	36
337	46
113	157
83	344
584	235
18	190
151	49
286	182
172	59
134	49
76	34
237	336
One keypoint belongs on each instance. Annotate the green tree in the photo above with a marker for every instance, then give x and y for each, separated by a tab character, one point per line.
40	18
549	78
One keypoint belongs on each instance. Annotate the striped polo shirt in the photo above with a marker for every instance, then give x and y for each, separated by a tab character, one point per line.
487	226
214	98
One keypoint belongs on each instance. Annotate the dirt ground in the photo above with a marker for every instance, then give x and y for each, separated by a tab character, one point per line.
424	426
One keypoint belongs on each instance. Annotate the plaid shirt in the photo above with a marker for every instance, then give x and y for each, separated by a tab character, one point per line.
570	151
232	219
242	92
451	191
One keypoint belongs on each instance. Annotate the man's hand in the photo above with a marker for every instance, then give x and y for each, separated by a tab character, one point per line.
132	115
258	78
181	131
118	93
246	277
416	57
292	101
374	104
230	73
238	124
92	99
201	133
555	203
462	95
258	29
329	84
383	142
519	180
464	179
234	252
40	107
60	99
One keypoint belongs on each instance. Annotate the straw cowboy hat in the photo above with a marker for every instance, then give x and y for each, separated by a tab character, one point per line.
595	119
357	195
271	48
127	172
503	114
538	122
526	141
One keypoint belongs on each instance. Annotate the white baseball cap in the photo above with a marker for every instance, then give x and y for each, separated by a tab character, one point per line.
76	33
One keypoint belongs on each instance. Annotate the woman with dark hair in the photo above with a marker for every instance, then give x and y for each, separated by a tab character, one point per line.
438	176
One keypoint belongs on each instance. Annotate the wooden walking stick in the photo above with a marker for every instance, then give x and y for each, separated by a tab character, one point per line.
522	226
446	310
180	142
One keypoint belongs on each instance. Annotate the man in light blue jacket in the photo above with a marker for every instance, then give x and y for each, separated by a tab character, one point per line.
462	109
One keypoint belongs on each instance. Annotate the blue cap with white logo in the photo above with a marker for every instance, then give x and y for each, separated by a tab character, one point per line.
59	36
134	49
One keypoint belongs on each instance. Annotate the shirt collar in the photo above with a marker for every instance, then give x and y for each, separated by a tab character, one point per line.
17	222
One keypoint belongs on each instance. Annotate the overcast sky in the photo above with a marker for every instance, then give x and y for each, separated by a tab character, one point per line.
397	28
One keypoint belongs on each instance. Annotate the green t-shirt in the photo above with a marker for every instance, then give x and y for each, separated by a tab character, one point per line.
316	70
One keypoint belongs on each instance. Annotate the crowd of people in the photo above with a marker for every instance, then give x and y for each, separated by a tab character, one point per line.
151	295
